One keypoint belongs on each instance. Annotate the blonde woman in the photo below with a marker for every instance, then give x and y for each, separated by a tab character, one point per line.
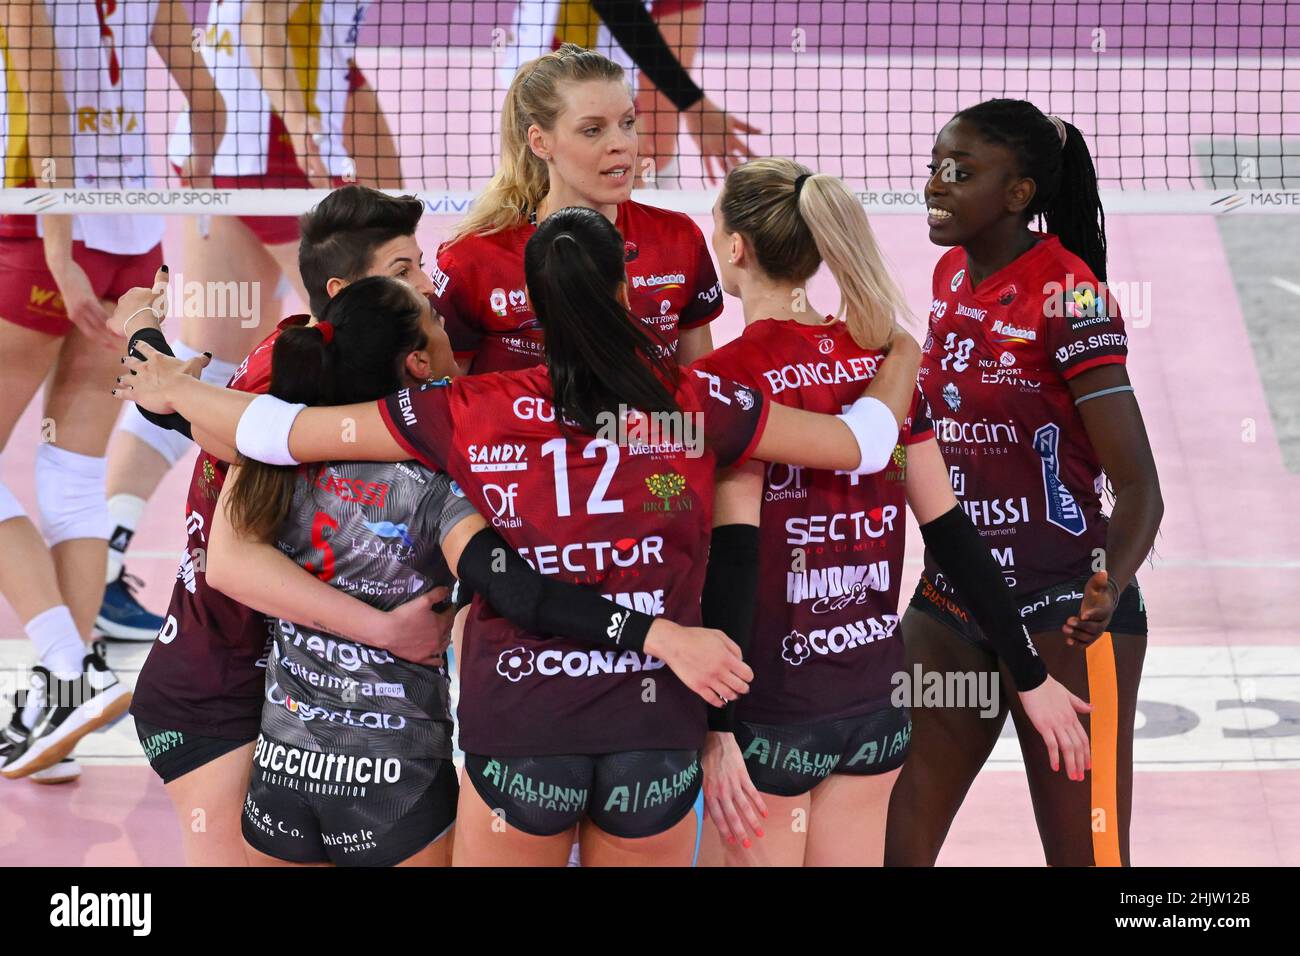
568	138
821	736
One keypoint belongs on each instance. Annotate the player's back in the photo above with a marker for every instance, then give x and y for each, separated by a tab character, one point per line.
831	543
372	529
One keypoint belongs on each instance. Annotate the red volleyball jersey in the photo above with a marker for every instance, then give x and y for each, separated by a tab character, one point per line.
204	673
825	643
995	368
630	516
479	287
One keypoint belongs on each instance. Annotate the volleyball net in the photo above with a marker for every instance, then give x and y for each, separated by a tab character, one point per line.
1187	107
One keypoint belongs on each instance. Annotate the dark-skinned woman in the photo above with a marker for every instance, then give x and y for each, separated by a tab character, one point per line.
1024	368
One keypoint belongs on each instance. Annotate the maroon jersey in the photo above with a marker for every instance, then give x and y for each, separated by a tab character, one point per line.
630	517
204	673
479	287
825	643
995	368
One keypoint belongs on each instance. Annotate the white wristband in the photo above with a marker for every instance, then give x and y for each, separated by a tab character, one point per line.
876	430
263	431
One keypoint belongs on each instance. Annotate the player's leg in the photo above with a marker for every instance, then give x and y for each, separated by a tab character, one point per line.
682	24
72	469
501	822
369	140
846	822
1086	823
672	847
32	329
783	843
27	577
70	474
208	801
949	744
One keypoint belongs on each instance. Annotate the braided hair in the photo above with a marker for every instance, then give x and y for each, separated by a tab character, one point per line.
1066	197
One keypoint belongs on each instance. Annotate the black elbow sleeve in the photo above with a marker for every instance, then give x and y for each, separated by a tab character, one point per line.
543	606
730	596
957	546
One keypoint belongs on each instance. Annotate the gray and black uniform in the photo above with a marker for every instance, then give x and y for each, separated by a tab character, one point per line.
353	762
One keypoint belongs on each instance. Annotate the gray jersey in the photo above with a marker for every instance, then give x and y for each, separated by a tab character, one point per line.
373	530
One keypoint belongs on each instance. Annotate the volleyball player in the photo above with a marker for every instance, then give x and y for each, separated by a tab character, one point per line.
298	102
558	736
1025	363
662	43
74	115
199	694
568	138
820	736
353	763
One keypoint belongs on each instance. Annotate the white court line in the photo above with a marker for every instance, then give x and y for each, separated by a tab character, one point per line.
1286	285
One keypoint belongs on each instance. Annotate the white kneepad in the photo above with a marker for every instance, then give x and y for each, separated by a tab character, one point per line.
173	445
70	495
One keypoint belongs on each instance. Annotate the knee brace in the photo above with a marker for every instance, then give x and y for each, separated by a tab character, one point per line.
170	444
9	506
70	495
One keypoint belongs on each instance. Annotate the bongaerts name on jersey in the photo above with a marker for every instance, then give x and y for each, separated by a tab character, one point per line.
802	374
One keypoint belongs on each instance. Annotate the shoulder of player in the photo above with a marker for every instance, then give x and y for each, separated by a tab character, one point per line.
1060	284
465	252
640	216
254	373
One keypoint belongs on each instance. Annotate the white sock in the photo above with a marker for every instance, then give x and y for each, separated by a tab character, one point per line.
58	645
125	510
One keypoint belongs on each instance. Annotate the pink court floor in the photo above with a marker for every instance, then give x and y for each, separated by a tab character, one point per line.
1218	748
1218	742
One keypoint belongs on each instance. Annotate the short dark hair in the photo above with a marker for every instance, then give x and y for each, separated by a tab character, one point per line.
340	235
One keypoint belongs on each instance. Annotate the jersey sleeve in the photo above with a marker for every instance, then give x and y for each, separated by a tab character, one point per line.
1084	330
420	420
705	304
444	507
734	415
920	421
453	297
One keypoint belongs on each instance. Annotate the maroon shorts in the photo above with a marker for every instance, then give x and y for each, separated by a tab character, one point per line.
30	298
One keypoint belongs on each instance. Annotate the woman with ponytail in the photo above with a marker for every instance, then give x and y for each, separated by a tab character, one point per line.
1025	360
568	138
381	532
805	565
597	468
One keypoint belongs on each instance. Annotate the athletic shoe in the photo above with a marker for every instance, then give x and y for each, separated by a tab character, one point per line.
121	618
65	771
13	738
71	709
14	735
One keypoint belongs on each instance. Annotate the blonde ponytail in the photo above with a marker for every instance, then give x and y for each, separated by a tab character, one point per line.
870	300
792	235
521	180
